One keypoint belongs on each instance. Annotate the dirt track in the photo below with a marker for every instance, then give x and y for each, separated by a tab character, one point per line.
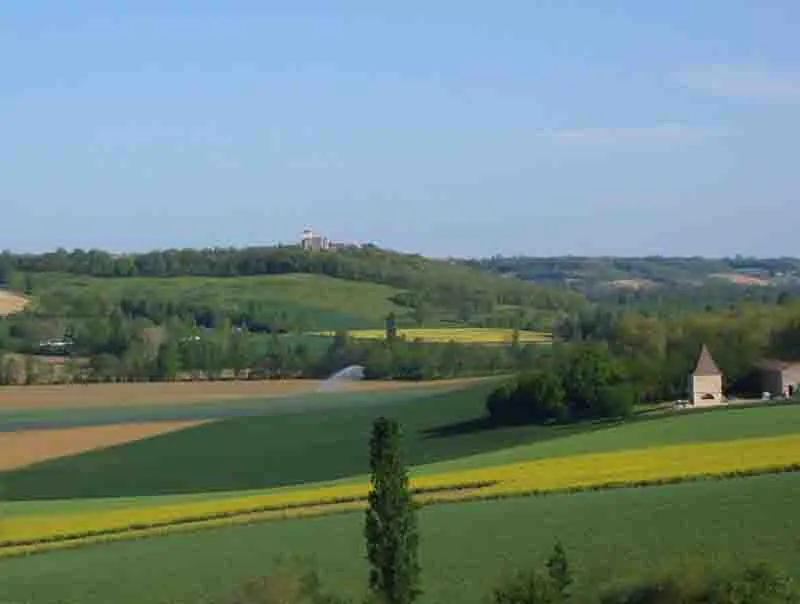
19	449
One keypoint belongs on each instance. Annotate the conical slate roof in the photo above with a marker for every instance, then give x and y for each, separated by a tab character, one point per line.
705	364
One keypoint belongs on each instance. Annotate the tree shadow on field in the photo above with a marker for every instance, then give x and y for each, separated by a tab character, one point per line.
470	426
549	431
521	431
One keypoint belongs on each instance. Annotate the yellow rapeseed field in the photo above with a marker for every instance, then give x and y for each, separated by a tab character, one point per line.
598	470
460	335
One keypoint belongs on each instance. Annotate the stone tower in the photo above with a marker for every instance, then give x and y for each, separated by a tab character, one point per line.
706	381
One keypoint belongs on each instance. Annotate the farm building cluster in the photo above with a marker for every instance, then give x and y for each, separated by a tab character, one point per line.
779	379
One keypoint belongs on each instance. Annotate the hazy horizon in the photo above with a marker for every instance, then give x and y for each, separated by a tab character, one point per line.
452	130
409	251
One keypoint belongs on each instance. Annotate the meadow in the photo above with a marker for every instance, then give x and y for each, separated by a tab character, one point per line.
319	301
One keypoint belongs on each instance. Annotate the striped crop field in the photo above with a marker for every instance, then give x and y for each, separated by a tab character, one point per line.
459	335
675	463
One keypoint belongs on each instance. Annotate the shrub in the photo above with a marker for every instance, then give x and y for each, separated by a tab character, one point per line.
756	584
532	587
542	396
577	382
292	582
614	401
536	396
536	587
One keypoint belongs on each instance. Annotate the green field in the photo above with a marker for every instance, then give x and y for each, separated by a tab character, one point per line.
649	431
293	441
319	301
269	445
94	414
465	548
265	451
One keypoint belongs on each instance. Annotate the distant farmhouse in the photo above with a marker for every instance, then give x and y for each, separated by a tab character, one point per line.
780	378
317	243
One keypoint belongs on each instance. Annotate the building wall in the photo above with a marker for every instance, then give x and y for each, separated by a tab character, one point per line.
773	381
704	385
791	375
777	382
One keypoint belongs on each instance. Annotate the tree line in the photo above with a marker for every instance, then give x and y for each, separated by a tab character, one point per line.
652	355
120	349
657	353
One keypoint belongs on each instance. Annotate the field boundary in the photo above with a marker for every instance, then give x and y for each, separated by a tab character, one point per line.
202	520
452	494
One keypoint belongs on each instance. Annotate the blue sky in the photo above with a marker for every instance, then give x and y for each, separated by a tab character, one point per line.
448	128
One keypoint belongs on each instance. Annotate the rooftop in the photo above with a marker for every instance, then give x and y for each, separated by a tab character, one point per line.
705	364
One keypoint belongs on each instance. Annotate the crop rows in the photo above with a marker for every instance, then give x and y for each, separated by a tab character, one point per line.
581	472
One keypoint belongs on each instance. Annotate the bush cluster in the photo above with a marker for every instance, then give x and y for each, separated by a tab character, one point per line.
576	382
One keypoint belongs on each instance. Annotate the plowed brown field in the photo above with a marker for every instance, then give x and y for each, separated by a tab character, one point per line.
19	449
109	395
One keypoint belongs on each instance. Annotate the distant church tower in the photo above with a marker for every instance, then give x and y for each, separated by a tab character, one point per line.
706	381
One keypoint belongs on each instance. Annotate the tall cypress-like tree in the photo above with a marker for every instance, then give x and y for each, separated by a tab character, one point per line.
391	524
391	327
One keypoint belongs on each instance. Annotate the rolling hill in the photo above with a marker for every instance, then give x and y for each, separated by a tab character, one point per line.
314	301
283	288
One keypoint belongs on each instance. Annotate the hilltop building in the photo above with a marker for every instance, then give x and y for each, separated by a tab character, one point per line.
318	243
314	243
706	381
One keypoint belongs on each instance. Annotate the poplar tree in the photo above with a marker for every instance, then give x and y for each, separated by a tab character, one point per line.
391	524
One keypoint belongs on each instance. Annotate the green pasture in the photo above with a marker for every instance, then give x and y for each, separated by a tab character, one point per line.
671	428
320	301
465	548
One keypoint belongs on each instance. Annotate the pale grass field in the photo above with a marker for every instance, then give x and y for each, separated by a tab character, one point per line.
111	395
26	447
